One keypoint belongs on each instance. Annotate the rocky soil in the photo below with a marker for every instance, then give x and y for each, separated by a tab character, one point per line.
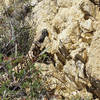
73	41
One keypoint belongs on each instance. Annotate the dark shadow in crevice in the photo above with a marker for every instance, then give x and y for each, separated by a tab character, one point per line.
93	89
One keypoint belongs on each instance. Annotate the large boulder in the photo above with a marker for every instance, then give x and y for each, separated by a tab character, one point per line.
93	65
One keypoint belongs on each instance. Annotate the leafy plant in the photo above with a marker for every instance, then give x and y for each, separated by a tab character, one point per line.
1	56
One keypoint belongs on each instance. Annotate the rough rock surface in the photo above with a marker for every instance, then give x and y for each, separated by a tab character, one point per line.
73	27
70	26
93	65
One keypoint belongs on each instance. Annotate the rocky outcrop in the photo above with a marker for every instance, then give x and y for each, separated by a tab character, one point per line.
71	26
72	40
93	65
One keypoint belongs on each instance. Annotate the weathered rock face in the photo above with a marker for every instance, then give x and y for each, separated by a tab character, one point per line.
72	26
93	65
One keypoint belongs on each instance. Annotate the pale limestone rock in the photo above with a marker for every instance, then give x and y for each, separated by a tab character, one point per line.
7	3
79	94
65	3
64	36
80	67
86	25
93	65
74	52
34	2
64	19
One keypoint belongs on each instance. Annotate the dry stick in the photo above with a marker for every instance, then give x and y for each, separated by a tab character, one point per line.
15	50
12	33
13	37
